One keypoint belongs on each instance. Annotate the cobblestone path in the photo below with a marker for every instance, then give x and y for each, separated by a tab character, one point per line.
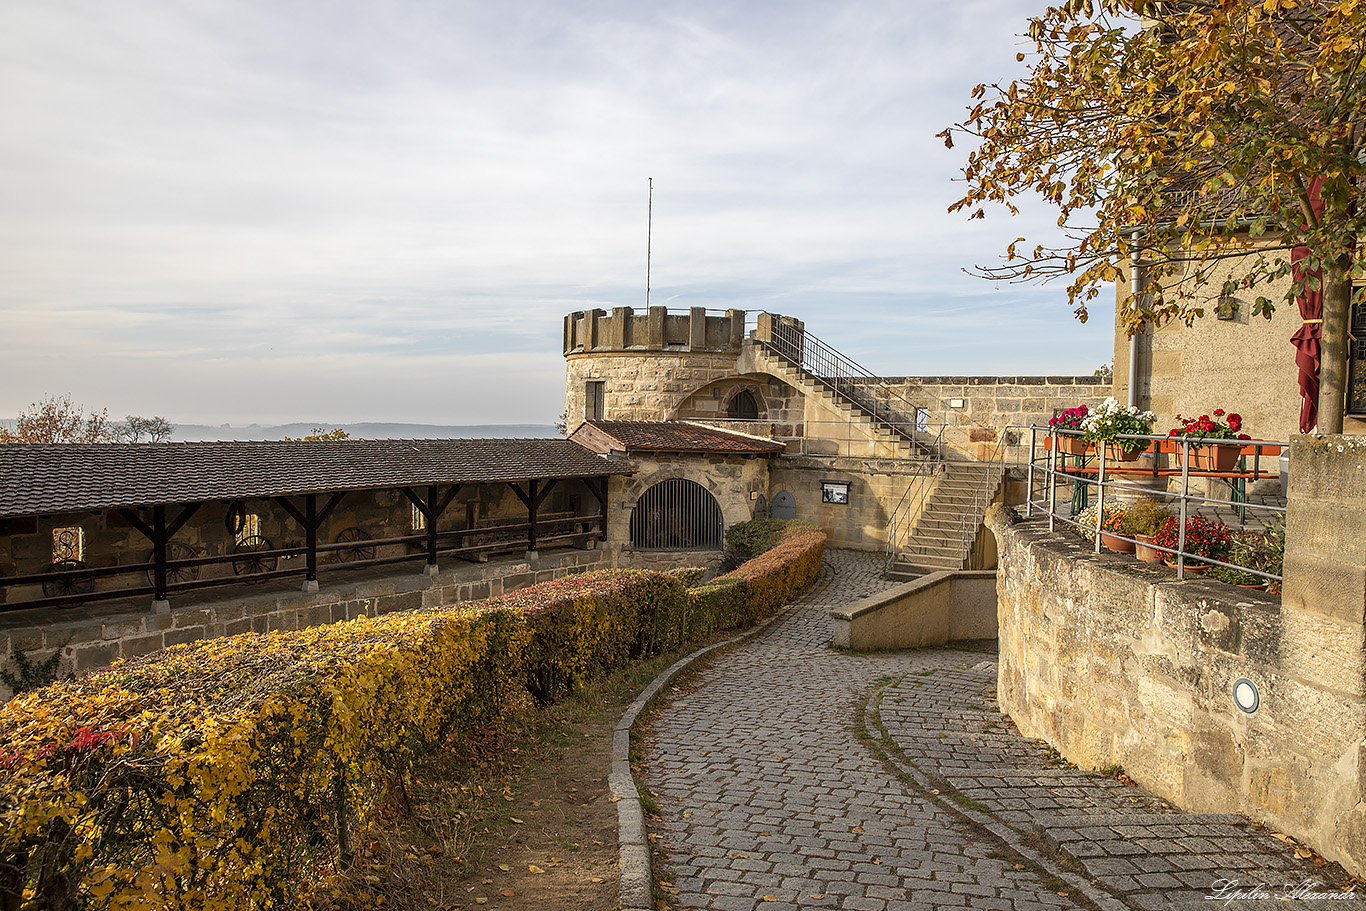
792	775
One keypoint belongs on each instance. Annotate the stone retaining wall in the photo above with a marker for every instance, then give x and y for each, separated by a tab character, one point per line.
1113	661
91	638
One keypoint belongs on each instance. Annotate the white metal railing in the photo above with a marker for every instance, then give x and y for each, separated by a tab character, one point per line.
906	514
1045	475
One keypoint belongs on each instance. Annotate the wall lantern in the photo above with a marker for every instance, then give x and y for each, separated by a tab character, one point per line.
835	492
1245	695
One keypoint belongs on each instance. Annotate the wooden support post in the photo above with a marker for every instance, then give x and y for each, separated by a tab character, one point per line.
311	535
431	524
598	488
431	508
533	502
160	533
159	537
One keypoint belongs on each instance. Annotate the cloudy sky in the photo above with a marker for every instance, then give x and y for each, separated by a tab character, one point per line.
275	210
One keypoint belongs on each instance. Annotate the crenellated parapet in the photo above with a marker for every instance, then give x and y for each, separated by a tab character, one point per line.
654	329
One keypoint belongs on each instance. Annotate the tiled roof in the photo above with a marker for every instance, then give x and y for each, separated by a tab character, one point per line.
682	436
48	478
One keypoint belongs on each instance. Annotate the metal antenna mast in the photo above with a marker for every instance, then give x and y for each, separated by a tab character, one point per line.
649	239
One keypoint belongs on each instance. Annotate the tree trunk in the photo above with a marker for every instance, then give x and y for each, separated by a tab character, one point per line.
1337	299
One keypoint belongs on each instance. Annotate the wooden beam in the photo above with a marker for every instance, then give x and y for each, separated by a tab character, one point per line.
135	520
180	520
332	503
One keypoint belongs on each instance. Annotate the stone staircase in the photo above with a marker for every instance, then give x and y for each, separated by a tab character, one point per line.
943	535
856	402
954	505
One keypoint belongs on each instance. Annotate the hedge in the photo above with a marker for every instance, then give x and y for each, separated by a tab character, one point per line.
225	773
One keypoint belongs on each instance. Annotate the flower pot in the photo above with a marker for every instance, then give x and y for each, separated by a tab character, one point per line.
1145	551
1192	569
1118	545
1073	445
1212	458
1117	453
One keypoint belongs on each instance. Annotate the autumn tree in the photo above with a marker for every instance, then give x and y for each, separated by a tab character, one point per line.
1199	133
57	420
321	434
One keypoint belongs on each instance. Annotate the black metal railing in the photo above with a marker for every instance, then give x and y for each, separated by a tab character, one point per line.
854	383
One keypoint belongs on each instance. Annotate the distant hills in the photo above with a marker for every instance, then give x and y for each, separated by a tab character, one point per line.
369	431
198	433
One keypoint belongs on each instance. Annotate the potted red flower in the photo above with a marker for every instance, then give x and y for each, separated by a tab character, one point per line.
1204	538
1071	443
1204	454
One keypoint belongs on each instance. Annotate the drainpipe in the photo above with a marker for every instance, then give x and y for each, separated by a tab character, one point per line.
1136	287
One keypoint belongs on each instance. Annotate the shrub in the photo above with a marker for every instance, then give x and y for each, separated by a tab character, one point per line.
1145	517
747	540
221	774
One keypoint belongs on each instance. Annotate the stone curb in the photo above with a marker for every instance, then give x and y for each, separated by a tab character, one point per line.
633	845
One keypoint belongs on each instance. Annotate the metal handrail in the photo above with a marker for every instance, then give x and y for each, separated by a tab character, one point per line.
845	377
900	527
979	494
1054	476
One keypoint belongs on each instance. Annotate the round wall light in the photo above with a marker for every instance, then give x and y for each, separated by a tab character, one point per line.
1245	695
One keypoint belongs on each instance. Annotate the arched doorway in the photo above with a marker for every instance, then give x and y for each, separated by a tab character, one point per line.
743	407
784	506
677	514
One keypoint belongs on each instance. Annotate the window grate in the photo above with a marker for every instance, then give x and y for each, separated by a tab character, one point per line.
677	514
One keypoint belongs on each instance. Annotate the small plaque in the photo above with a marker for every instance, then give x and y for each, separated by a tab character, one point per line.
835	492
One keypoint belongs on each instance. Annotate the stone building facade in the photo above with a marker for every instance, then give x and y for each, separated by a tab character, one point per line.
714	368
1228	359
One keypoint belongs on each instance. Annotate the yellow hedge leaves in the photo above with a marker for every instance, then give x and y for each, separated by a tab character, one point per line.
221	774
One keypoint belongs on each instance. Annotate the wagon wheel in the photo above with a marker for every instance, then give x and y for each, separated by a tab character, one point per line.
358	549
175	551
250	561
68	585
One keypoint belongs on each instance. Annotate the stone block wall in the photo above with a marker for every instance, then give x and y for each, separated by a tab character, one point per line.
876	486
1114	661
993	404
91	638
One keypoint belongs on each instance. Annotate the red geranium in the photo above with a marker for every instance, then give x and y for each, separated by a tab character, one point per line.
1212	428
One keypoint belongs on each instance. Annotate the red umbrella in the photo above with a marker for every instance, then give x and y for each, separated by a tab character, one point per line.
1308	339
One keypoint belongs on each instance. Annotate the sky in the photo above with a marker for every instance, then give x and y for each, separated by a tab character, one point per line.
280	210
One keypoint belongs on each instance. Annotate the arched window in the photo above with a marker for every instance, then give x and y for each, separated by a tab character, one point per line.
677	514
743	407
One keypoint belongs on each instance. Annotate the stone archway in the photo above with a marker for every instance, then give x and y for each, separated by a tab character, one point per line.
677	514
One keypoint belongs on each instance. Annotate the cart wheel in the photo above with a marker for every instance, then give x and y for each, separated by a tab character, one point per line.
175	551
249	560
68	585
358	550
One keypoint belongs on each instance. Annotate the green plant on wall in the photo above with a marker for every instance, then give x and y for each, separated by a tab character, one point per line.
31	674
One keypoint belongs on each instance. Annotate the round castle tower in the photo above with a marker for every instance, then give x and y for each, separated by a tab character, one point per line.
659	366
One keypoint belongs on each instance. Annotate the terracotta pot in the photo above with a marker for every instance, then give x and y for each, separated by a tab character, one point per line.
1212	458
1118	545
1145	552
1192	569
1073	445
1116	453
